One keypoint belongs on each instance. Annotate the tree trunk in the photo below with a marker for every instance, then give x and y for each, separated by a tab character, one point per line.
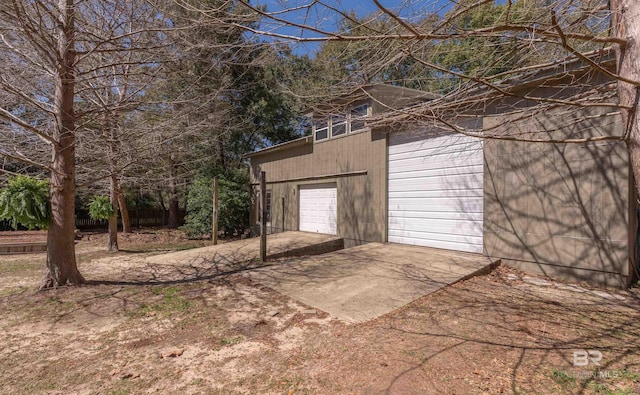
161	200
173	194
61	256
114	187
221	158
625	16
124	212
112	240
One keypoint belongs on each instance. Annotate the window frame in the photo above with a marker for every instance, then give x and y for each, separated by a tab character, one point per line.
343	121
361	117
326	128
346	119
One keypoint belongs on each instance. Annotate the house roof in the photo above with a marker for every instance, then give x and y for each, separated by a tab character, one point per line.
359	94
536	76
378	92
540	74
282	146
604	58
473	97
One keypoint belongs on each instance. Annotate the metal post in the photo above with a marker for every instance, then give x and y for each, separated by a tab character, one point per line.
263	216
214	219
283	227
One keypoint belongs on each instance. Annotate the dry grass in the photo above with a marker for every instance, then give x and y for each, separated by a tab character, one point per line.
224	335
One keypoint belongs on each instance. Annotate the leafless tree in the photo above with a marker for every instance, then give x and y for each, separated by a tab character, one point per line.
528	36
114	84
53	51
38	45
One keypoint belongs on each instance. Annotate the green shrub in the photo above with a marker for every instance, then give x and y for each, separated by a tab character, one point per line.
25	201
101	208
233	205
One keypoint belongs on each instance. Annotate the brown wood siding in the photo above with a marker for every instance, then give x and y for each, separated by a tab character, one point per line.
559	209
359	165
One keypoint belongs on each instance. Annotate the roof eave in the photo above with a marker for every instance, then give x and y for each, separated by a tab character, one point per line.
279	147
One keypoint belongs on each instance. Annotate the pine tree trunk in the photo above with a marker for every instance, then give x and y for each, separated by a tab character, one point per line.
173	195
114	187
61	257
112	240
124	213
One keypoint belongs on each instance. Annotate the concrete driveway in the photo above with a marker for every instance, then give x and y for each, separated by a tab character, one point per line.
232	253
361	283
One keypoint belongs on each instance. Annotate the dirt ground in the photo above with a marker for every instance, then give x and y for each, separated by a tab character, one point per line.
129	333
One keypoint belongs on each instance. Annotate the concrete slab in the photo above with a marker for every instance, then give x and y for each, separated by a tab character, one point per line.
241	251
361	283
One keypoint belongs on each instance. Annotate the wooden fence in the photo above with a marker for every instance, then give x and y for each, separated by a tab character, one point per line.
6	225
139	219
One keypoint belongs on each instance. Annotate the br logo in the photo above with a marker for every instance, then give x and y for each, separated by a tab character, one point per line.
584	357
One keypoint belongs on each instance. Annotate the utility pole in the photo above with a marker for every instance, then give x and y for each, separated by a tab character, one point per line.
263	216
214	219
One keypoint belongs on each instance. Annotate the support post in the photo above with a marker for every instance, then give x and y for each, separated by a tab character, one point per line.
283	227
263	216
214	219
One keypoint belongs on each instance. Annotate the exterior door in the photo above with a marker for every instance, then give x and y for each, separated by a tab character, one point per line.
319	208
436	191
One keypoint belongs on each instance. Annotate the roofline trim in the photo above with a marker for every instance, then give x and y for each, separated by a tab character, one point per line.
286	145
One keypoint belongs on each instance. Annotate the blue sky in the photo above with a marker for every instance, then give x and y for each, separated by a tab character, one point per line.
327	19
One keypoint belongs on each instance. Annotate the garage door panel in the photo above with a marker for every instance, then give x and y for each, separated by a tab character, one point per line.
460	226
435	215
425	161
428	200
434	237
436	192
443	182
416	194
420	171
446	145
466	244
318	209
442	206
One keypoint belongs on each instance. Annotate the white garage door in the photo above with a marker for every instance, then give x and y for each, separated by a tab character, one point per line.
435	191
318	209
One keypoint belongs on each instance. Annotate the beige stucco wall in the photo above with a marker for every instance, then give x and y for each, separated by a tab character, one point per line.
560	209
356	163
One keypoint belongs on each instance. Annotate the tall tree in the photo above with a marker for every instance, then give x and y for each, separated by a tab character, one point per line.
48	50
114	85
497	45
625	27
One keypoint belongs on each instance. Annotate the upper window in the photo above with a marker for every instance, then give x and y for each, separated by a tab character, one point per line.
321	129
337	125
357	117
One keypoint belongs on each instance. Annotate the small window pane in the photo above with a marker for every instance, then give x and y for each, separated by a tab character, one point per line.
338	125
322	134
357	115
322	129
358	125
